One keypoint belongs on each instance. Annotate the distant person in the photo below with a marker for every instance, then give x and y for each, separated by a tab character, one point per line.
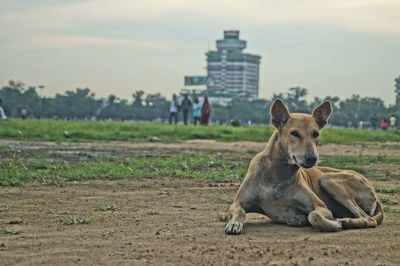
349	124
392	121
185	105
173	109
360	124
2	114
24	113
373	121
383	124
196	111
205	112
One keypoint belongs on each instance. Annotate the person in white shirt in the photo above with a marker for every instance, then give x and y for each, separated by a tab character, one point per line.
392	121
24	113
173	109
2	114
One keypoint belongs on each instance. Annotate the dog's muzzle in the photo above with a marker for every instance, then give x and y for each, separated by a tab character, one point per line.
309	161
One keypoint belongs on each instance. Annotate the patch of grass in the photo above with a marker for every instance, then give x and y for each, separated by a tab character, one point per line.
384	200
361	164
107	208
222	217
354	159
4	208
153	212
18	170
382	179
389	190
223	200
3	147
351	136
10	232
76	220
84	131
388	209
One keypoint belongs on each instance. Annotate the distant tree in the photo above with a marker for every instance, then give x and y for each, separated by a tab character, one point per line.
245	110
111	99
82	104
156	107
138	98
357	109
116	108
317	101
16	96
295	99
78	104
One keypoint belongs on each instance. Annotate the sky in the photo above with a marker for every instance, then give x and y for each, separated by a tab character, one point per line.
336	48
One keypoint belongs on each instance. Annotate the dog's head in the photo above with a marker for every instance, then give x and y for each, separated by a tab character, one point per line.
299	133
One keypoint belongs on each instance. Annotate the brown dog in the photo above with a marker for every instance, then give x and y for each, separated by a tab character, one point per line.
283	182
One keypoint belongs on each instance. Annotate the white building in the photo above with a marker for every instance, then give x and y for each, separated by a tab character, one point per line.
230	71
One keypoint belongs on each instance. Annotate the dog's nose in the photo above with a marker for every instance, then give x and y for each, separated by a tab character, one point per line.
310	159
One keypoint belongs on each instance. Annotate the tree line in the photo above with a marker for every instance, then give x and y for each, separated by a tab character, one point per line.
82	104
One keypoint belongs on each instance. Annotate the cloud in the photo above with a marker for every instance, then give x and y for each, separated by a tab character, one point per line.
367	14
361	15
73	41
60	25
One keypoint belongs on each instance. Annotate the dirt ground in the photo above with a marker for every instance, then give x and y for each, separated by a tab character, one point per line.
172	222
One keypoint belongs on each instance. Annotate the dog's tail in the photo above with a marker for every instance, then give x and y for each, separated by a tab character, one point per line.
365	222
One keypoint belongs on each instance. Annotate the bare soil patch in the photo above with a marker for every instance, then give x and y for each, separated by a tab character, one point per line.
170	222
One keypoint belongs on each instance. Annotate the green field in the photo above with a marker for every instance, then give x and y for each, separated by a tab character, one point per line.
87	131
45	171
215	166
212	165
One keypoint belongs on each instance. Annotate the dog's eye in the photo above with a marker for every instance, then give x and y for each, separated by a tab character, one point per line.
315	135
295	134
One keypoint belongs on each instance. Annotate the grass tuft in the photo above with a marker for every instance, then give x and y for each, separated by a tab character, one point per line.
3	147
153	212
222	217
388	209
10	232
384	200
75	220
107	208
389	190
223	200
4	209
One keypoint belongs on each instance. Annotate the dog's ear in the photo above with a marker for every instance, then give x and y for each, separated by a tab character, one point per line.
322	112
279	113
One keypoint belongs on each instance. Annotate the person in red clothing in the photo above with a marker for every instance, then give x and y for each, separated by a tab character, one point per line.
205	112
383	124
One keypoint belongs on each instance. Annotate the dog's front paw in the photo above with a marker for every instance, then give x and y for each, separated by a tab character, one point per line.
234	228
